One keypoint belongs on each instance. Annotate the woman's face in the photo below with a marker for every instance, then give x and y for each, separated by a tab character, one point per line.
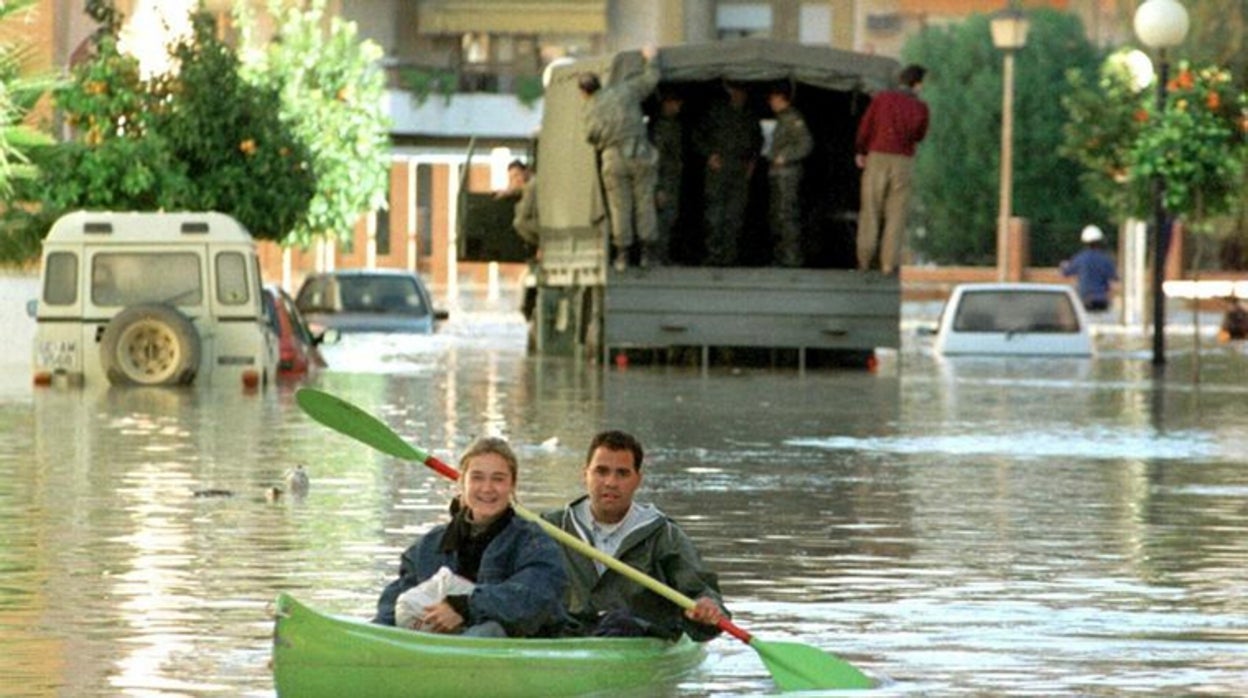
487	485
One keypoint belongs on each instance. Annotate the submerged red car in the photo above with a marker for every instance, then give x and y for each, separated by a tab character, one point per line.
297	345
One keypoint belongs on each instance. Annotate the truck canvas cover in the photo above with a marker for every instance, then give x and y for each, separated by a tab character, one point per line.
752	302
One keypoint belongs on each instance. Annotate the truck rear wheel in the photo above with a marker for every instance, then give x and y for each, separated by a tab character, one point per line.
150	345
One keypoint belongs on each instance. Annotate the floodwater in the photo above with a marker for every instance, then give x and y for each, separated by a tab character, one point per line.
972	527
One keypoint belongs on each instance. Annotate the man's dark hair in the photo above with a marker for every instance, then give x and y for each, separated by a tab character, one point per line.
517	165
589	83
912	75
616	441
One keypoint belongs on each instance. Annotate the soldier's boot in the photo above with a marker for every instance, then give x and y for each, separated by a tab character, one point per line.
788	256
650	256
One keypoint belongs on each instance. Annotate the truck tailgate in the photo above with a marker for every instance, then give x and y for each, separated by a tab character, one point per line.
752	307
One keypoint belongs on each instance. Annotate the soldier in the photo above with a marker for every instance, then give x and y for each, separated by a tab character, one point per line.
729	138
615	126
790	144
669	139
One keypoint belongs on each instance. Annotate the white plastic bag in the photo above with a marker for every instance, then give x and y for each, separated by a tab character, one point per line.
409	608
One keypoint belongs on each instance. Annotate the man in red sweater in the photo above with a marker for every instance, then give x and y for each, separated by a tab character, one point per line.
888	134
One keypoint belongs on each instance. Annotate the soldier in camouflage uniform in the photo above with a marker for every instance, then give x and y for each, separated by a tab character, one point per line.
790	144
729	138
668	137
615	126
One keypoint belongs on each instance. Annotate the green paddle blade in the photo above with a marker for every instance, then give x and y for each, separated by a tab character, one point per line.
345	418
796	667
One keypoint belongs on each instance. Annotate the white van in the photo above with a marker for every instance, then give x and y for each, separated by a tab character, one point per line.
151	299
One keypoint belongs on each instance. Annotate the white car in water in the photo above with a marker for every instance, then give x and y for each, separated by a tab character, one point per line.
1013	319
151	299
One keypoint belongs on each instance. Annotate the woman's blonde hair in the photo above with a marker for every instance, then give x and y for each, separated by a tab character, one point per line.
490	444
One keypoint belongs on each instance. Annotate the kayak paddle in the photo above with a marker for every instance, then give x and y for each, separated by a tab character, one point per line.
793	666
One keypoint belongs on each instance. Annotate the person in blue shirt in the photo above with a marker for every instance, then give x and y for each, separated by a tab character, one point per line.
1094	268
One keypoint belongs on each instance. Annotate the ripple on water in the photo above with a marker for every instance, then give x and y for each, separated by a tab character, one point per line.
1095	444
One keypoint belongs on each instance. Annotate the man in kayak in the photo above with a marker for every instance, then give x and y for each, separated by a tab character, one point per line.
516	571
605	603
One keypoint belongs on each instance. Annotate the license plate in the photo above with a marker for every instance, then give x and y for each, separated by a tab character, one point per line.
57	355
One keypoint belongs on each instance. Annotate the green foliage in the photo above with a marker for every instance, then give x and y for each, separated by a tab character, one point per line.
197	138
18	94
231	137
424	82
1103	124
529	89
1196	143
332	96
957	172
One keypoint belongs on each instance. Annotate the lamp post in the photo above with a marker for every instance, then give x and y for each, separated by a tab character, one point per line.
1160	24
1009	33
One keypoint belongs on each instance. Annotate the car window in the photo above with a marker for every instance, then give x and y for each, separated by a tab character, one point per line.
381	294
315	296
1016	311
232	278
270	313
60	279
129	278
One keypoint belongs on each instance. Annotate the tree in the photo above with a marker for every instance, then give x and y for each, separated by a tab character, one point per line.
239	151
197	138
1104	121
957	171
332	95
111	160
1217	38
1196	144
19	92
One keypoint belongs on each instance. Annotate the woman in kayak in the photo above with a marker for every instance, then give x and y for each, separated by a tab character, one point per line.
516	571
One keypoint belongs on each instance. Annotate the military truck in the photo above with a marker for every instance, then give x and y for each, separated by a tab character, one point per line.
824	308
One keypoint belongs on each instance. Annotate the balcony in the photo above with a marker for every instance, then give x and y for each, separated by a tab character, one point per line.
430	102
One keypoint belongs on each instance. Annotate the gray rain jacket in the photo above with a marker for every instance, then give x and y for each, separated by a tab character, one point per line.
658	548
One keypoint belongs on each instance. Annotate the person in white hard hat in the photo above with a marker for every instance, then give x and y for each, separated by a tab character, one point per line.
1095	269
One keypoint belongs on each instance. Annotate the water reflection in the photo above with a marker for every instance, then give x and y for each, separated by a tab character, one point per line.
972	527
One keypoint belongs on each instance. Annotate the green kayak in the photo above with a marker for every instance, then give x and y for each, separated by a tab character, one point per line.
319	655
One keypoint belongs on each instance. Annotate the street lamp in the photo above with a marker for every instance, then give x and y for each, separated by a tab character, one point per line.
1160	24
1009	33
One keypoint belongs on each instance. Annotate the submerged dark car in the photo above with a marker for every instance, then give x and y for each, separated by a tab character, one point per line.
372	300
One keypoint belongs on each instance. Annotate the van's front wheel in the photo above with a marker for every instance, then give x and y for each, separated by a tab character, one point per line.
150	345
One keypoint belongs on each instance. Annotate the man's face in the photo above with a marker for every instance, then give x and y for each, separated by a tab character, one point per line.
611	478
516	178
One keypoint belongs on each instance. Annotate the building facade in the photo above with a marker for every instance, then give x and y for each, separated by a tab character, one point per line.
465	92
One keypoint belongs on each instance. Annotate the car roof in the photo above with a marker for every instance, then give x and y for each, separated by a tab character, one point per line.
1006	286
367	272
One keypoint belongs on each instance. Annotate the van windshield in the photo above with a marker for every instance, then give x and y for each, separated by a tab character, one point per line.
130	278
